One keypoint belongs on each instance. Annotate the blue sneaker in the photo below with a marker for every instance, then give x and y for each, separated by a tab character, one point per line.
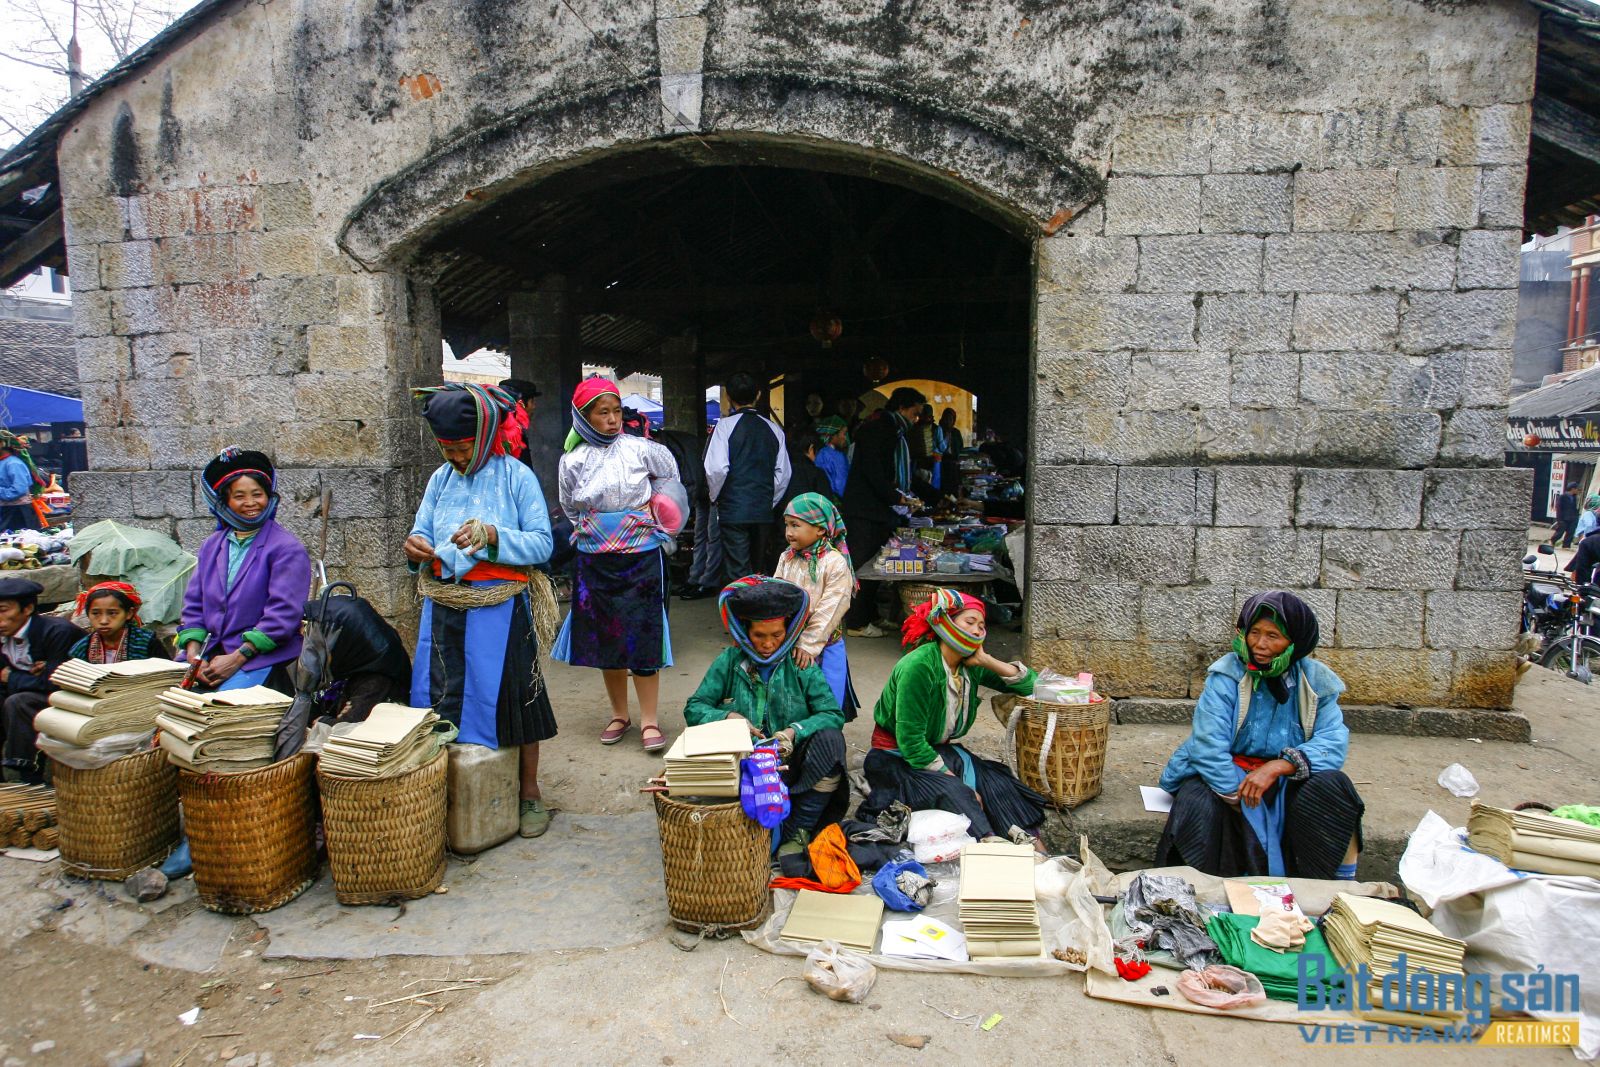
178	864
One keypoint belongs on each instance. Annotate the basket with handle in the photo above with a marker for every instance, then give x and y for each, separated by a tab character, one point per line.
252	834
1058	750
386	836
715	861
914	593
116	819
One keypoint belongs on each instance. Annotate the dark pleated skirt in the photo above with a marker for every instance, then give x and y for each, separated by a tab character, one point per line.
618	618
522	711
819	756
1321	815
1006	801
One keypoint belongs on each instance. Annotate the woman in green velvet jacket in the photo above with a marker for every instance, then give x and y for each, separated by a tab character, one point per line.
757	680
928	704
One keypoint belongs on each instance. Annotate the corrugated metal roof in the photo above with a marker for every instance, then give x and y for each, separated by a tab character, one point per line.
1579	393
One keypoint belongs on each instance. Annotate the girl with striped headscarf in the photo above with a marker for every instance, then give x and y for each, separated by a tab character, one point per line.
818	561
481	528
613	488
929	703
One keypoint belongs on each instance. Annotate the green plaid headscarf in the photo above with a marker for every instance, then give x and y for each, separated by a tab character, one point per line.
818	510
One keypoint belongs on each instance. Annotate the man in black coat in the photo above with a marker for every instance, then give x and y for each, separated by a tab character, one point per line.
747	471
31	648
1566	517
879	473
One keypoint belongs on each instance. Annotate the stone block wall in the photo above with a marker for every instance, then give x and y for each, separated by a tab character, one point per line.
1280	359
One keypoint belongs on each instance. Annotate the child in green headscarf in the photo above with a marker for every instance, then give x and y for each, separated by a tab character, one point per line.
818	561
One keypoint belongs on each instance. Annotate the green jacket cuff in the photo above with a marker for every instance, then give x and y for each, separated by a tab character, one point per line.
192	633
259	641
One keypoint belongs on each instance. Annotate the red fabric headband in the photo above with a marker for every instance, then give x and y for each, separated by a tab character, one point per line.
591	389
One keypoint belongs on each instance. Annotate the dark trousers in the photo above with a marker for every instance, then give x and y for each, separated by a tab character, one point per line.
1565	528
865	537
17	713
817	759
744	549
1321	815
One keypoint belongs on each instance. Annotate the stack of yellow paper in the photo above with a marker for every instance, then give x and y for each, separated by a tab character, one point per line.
231	730
99	700
1534	841
392	740
851	919
998	911
704	760
1365	930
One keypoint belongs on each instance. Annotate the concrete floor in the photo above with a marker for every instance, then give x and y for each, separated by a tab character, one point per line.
106	976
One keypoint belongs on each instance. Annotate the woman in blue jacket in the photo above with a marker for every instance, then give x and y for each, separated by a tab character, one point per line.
1259	787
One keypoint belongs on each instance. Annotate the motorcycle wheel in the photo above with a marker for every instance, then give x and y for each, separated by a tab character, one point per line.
1574	657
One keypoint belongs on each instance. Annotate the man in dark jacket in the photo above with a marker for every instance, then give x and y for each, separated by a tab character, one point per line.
1566	517
1586	559
368	663
747	470
31	648
880	475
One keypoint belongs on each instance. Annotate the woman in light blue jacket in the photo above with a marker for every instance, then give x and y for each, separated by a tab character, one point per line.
1259	786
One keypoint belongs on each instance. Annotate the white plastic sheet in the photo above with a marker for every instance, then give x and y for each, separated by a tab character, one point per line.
1511	922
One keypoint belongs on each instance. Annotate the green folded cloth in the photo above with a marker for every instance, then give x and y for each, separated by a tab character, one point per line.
1279	971
1581	812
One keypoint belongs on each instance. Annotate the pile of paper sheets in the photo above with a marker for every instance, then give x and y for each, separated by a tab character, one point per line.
1536	842
392	740
704	760
98	701
998	911
851	919
232	730
1365	930
924	939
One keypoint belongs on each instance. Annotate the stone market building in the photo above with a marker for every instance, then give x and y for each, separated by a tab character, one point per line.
1243	274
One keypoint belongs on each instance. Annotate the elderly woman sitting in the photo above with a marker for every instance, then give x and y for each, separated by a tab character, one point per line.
1259	786
928	704
758	681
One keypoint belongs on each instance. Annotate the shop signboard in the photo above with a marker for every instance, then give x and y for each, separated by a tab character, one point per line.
1567	433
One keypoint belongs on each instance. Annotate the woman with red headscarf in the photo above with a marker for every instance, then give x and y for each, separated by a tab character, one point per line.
611	489
929	702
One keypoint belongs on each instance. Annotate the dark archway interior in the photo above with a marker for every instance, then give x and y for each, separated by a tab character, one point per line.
739	263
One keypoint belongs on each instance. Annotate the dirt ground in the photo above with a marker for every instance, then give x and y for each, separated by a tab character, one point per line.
100	976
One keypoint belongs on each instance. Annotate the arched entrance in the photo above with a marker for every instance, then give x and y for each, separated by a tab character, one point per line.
822	280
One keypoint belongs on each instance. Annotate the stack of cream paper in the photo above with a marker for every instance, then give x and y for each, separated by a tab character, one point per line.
851	919
998	910
704	760
1365	930
392	740
232	730
99	700
1534	841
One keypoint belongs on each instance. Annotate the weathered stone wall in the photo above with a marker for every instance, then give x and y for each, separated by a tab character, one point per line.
1274	302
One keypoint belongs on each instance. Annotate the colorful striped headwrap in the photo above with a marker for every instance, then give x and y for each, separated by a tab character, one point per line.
819	511
755	598
231	464
936	617
588	391
826	428
487	415
14	443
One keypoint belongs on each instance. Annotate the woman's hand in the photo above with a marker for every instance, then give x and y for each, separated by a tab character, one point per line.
755	731
1258	781
467	538
418	549
981	658
803	659
222	667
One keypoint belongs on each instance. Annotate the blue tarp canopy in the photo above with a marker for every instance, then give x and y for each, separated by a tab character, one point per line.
29	407
645	406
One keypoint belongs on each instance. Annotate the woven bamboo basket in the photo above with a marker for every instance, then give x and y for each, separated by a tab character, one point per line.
252	834
386	836
716	863
1070	769
117	819
914	593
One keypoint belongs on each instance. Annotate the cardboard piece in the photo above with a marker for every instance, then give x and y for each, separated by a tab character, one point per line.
849	919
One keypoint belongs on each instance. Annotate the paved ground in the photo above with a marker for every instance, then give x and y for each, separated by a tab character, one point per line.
98	975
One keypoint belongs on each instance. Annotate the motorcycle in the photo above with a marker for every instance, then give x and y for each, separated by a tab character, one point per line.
1577	646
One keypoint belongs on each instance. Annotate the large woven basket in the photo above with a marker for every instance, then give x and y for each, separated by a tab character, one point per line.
385	835
117	819
716	862
914	593
252	834
1061	748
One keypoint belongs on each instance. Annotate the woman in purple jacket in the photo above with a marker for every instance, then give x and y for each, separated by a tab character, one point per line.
241	613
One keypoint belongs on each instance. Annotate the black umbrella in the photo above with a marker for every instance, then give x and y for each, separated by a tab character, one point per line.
312	673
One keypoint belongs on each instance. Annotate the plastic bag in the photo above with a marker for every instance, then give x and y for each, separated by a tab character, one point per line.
886	884
937	836
1223	987
1459	780
838	974
670	506
92	756
1065	890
